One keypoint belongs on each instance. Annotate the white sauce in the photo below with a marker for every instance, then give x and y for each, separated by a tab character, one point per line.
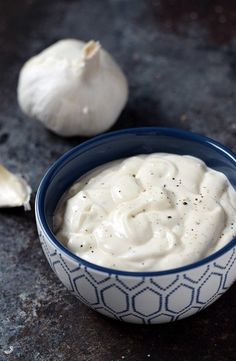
148	213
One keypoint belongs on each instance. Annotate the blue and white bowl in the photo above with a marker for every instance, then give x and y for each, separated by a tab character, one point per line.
138	297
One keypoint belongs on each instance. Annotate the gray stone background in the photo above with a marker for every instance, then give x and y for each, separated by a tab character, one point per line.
180	60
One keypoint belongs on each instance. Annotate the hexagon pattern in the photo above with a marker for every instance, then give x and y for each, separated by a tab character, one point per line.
86	290
229	277
145	305
156	299
130	317
63	274
209	288
180	298
162	318
115	299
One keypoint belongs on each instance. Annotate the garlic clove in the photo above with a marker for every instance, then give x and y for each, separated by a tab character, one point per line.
73	88
14	191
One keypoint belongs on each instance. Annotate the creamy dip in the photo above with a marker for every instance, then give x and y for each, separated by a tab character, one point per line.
147	213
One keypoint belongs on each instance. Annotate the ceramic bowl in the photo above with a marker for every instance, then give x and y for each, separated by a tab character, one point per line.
138	297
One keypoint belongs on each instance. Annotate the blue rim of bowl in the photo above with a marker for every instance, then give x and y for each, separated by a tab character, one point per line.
39	202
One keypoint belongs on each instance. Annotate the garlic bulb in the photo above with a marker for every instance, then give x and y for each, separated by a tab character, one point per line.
73	88
14	191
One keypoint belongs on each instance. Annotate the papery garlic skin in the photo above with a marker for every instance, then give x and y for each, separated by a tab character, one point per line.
14	191
73	88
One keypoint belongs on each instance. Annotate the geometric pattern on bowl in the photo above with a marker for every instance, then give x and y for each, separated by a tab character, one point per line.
144	300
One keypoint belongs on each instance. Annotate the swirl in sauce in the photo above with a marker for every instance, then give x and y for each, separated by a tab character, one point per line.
147	213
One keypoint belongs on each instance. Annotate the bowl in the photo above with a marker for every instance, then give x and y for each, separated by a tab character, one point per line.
137	297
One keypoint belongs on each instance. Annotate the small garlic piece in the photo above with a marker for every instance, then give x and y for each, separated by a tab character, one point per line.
73	88
14	191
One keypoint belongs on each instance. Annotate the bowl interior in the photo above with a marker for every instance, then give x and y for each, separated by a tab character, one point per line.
124	144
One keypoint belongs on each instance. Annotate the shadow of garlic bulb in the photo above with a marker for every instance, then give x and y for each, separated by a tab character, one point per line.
73	88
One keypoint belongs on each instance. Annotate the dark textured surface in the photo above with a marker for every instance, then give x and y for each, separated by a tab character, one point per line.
180	59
